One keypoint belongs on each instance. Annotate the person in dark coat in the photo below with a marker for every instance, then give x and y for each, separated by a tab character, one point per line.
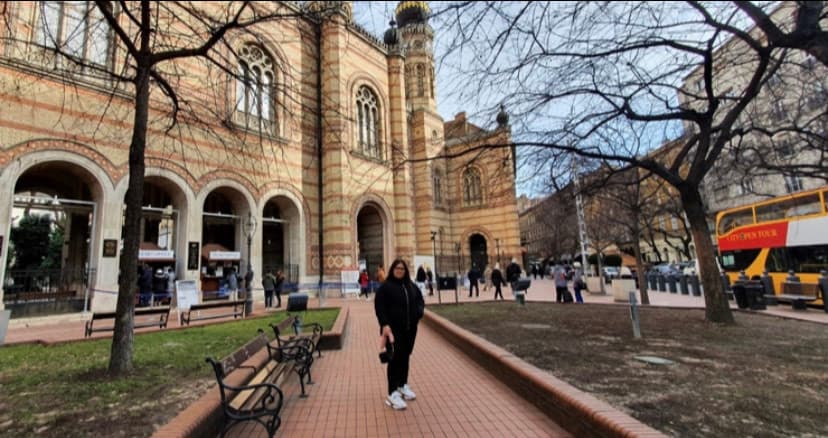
474	278
497	281
399	306
269	285
145	286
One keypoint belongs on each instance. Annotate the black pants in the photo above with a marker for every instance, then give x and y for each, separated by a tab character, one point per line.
474	286
398	367
268	298
559	293
278	298
498	291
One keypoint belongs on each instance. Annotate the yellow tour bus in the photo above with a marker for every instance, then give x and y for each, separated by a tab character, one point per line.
777	235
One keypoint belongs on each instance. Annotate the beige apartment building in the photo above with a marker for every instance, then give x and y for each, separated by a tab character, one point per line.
331	157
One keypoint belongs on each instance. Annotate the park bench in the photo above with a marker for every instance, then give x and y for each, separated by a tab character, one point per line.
291	330
144	317
799	294
260	399
237	311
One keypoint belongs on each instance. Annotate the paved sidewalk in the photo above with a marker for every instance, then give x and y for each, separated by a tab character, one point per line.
456	397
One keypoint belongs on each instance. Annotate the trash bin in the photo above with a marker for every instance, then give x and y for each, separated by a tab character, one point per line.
695	285
740	293
297	302
662	285
683	285
755	294
671	284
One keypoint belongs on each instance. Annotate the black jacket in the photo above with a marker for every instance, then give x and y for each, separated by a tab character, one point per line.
399	305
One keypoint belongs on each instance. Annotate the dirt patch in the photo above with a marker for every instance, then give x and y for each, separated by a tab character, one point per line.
763	376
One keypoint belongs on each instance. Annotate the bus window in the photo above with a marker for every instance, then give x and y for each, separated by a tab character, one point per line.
808	258
777	260
739	259
735	219
788	208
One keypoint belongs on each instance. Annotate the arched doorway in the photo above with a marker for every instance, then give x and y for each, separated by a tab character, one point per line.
49	258
370	238
479	252
222	238
281	250
159	234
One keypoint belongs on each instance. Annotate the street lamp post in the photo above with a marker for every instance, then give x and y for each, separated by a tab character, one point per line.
497	243
434	251
457	247
249	228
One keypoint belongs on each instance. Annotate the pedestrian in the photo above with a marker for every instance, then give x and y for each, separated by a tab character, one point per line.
535	272
421	279
399	308
233	283
497	281
280	285
560	284
379	278
269	285
578	282
513	272
363	284
145	285
474	277
487	277
429	281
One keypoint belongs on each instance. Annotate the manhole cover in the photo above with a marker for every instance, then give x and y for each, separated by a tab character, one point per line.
654	360
536	326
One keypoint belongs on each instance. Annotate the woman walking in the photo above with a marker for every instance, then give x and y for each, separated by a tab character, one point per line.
399	306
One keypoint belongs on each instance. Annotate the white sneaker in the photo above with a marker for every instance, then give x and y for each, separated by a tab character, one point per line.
395	400
406	392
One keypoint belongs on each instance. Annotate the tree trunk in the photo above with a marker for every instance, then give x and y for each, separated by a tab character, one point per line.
716	306
639	271
120	361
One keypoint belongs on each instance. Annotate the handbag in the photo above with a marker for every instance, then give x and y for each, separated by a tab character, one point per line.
387	355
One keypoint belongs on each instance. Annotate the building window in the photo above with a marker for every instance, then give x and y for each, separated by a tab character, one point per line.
420	80
255	105
438	189
471	187
75	28
368	122
793	184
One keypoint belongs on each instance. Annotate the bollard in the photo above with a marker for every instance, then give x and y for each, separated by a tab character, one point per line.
662	285
683	285
671	284
651	277
823	287
767	286
695	285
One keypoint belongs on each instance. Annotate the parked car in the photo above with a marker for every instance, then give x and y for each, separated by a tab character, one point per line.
610	272
667	269
690	268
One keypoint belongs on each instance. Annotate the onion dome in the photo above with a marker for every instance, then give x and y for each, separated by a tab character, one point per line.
412	13
392	35
502	117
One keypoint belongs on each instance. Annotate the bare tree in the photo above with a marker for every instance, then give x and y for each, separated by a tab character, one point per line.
578	76
155	45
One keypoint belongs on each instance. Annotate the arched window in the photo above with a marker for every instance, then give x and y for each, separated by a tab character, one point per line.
77	29
420	80
255	104
368	122
471	187
438	188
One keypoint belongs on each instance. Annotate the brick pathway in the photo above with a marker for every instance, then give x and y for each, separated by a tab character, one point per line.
455	396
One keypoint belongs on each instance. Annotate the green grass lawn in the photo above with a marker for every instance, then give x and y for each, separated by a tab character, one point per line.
63	390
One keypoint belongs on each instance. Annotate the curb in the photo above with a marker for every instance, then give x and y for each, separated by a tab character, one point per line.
204	417
578	412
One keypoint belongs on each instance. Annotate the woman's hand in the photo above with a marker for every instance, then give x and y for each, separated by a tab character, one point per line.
386	336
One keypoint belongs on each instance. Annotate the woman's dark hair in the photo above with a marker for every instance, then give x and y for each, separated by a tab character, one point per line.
406	277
